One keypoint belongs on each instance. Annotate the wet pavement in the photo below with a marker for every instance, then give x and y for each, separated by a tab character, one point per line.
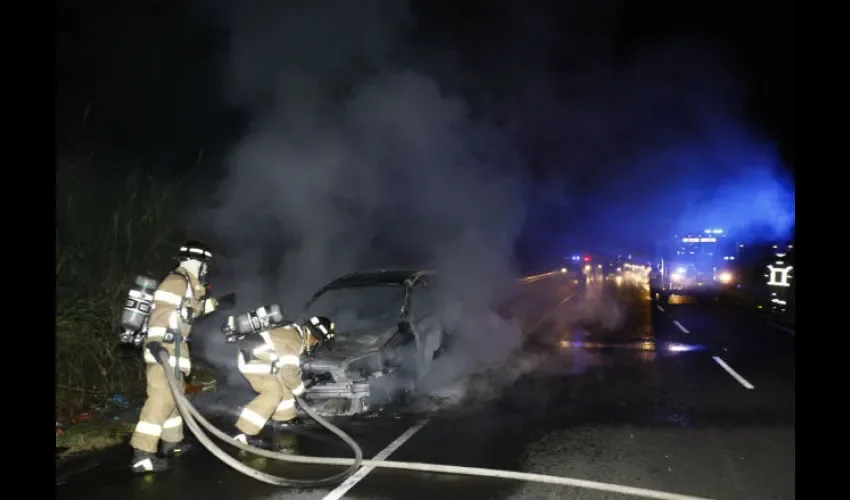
689	398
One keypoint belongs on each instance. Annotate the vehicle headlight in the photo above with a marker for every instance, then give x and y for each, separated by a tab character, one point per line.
725	277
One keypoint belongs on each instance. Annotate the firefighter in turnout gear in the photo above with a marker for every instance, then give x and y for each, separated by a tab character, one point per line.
270	360
179	298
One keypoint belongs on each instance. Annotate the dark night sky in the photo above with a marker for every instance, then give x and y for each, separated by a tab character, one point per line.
758	36
119	56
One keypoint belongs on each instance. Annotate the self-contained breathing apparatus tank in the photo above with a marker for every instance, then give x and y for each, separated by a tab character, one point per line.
252	322
137	309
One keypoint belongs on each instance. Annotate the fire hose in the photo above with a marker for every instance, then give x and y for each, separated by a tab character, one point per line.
192	417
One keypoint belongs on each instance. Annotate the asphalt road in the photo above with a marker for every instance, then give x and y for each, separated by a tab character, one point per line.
687	398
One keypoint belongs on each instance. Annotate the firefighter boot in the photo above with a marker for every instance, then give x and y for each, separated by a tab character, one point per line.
145	461
169	449
258	441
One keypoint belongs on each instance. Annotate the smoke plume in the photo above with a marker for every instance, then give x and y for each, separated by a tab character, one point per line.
354	162
369	147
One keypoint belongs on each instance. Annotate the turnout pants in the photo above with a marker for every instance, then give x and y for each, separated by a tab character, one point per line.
160	418
274	401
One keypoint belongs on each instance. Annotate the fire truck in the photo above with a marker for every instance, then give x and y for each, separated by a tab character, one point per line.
699	263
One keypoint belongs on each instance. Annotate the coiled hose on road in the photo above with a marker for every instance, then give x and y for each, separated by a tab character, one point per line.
190	414
192	417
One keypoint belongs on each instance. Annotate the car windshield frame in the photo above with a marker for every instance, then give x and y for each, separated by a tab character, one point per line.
398	311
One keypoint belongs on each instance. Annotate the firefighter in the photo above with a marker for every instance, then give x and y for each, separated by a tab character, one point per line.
180	297
274	372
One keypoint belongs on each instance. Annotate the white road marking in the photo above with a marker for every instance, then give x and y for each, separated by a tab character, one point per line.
680	326
382	455
552	311
734	374
537	277
659	308
783	328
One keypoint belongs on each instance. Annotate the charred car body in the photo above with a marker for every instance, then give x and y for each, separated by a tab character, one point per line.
388	333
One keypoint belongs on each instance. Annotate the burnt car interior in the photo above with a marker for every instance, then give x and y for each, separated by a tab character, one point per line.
381	320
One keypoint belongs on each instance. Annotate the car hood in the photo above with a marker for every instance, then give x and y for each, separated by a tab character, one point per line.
353	342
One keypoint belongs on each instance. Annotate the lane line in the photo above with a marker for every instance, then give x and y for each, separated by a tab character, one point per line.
734	374
538	277
783	328
659	308
680	326
550	312
382	455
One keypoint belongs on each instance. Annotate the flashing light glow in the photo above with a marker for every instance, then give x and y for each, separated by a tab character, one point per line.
681	270
674	347
779	276
587	259
699	240
676	277
725	277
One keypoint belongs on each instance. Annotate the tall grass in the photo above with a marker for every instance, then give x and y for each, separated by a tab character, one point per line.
107	232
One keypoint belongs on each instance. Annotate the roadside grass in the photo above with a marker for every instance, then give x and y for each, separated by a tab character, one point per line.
103	431
90	436
107	231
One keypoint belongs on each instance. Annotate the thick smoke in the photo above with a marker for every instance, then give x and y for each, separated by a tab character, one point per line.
364	153
346	168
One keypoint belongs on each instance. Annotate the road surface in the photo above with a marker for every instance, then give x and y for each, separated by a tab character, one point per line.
687	398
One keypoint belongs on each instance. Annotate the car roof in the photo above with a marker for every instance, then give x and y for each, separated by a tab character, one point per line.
377	277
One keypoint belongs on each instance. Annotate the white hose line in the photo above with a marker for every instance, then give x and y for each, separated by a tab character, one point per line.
447	469
504	474
191	414
188	412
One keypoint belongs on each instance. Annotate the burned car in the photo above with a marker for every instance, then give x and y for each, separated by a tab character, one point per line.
388	333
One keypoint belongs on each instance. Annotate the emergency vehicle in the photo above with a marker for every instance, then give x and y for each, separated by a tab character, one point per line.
694	264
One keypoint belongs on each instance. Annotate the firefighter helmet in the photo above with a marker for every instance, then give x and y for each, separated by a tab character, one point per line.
321	328
194	250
